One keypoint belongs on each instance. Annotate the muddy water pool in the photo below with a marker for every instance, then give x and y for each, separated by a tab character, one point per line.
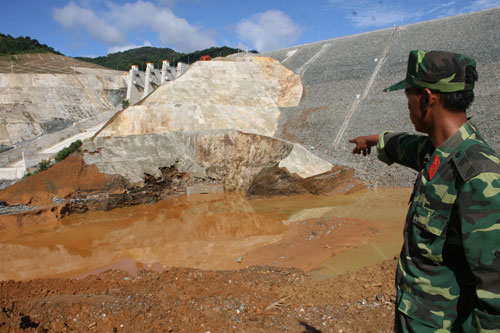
207	232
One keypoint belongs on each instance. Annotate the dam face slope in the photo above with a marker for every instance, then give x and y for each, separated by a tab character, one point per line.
44	93
344	78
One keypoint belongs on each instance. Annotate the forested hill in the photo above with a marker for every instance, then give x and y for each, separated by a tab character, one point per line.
140	56
119	60
19	45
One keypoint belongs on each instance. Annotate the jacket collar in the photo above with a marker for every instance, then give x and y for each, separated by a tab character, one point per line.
463	133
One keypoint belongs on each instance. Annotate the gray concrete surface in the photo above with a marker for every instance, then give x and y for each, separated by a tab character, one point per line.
343	80
141	84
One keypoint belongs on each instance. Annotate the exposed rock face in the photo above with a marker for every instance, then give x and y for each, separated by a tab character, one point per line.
35	104
278	181
243	94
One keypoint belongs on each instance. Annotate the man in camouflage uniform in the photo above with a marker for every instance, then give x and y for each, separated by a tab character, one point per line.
448	275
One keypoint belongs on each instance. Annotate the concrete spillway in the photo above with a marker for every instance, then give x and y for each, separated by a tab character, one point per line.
343	79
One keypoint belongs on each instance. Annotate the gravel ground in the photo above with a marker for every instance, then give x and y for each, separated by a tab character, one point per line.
336	77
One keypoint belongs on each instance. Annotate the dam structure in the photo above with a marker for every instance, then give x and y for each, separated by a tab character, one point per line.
140	84
344	78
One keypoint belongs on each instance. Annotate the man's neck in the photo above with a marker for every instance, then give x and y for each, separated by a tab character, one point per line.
446	125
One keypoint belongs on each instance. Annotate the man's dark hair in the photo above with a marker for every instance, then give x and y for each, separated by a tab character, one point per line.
459	101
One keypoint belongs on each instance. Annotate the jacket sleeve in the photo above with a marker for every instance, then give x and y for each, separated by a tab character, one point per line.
403	148
479	212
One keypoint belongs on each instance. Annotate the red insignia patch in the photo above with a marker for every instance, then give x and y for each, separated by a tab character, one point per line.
433	168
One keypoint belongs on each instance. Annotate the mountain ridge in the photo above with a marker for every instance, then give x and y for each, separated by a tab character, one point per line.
140	56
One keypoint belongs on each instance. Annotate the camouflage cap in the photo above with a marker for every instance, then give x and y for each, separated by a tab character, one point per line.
437	70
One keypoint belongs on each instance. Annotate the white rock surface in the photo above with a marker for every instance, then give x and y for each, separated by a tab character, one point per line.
36	104
304	163
243	94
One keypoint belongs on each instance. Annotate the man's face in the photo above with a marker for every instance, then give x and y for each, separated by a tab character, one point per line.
416	106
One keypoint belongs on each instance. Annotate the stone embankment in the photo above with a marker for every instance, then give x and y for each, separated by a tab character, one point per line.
344	78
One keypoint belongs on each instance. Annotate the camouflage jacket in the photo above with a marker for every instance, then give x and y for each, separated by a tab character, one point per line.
448	276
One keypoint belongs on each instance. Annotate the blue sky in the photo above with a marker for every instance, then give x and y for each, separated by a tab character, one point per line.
98	27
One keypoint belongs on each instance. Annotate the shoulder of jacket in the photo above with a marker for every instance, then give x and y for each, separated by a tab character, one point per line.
474	158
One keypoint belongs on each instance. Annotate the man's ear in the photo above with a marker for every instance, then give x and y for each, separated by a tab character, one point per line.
429	98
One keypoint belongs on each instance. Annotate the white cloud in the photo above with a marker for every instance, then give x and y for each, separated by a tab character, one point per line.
452	8
171	30
483	4
122	48
72	16
268	30
444	7
134	19
377	17
173	3
367	13
169	3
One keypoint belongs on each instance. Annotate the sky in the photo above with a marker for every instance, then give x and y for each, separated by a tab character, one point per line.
92	28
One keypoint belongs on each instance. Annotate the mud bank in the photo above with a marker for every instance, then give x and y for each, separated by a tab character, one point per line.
256	299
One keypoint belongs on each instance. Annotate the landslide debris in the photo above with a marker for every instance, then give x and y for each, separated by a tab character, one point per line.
72	186
279	181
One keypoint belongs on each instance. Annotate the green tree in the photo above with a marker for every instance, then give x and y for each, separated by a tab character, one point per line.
63	153
19	45
140	56
125	104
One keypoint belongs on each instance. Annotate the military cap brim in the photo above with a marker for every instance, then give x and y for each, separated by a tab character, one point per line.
398	86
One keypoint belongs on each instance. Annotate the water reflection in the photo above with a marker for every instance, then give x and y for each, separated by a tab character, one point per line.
202	231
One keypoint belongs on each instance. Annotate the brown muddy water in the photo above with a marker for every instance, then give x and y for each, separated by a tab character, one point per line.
225	231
